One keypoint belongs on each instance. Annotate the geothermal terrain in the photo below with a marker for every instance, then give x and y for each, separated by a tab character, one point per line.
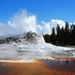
30	55
32	47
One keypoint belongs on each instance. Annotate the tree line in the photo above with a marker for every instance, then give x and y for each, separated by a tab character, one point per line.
61	36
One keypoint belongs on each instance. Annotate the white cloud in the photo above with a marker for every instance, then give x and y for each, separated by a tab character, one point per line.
11	24
47	26
72	23
39	27
1	24
54	23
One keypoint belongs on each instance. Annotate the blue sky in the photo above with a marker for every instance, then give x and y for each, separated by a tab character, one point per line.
45	14
44	9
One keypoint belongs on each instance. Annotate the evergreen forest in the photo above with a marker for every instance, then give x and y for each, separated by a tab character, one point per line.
61	36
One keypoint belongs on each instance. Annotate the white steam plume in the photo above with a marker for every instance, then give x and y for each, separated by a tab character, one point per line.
23	21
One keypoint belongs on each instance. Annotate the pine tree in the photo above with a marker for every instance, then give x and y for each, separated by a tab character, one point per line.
73	34
66	32
47	38
62	36
53	37
58	34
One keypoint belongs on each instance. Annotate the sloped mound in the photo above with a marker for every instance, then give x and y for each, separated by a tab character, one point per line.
32	37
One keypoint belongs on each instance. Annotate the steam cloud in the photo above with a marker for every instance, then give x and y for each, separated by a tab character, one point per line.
23	21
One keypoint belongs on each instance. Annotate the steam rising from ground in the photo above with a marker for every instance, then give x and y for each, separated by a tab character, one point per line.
24	21
21	22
